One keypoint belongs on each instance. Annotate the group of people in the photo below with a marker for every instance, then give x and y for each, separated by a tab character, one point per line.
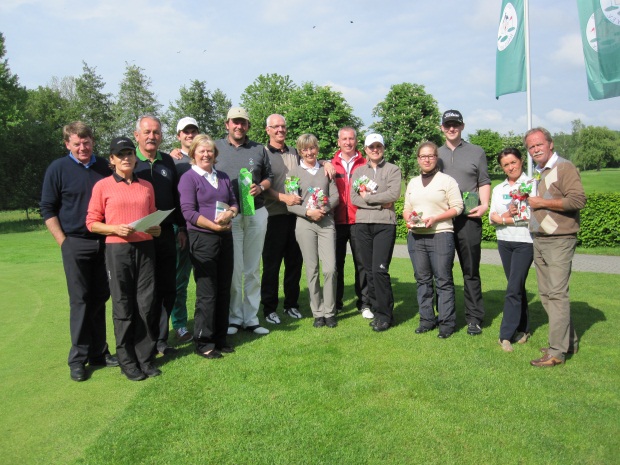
233	201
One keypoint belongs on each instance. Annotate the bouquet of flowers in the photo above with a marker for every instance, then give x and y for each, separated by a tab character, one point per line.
519	197
365	184
317	198
291	185
415	220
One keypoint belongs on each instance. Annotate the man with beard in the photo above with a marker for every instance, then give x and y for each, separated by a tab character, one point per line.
237	151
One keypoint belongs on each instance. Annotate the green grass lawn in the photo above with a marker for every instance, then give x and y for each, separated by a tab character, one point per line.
606	180
311	396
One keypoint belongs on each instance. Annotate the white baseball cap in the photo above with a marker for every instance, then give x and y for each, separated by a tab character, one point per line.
184	122
372	138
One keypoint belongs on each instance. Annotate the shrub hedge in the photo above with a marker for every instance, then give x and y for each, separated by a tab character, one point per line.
600	222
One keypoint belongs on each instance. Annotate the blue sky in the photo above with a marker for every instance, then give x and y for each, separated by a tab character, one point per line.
359	48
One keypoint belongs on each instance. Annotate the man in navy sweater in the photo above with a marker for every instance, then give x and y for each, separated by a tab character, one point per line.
67	188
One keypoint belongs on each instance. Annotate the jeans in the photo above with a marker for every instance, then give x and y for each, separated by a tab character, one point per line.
432	256
516	258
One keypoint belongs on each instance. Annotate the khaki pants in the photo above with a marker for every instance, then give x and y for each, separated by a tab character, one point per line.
553	257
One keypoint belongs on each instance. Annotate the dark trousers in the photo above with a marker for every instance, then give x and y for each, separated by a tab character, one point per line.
344	235
467	238
184	269
213	260
375	244
517	257
280	244
165	283
87	283
131	268
432	256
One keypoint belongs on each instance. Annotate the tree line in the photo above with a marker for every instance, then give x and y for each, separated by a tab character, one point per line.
31	121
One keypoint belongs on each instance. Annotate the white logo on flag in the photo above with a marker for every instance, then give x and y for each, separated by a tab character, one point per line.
591	33
507	27
611	10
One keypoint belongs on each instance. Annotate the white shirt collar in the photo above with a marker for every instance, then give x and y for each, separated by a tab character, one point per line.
550	163
202	172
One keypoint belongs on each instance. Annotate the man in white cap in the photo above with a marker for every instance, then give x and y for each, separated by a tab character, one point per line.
187	129
237	151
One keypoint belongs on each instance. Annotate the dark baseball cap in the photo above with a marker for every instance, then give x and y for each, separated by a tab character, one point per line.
452	115
121	143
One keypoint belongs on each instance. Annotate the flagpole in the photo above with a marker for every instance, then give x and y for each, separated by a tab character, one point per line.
528	87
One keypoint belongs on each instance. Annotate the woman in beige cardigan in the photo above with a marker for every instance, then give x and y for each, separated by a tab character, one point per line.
432	199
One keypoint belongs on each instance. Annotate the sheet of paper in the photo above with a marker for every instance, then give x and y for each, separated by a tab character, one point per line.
154	219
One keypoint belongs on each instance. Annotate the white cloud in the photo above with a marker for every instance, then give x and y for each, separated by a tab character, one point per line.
569	52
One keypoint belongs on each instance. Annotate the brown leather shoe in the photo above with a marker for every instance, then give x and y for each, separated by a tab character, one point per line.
546	361
573	351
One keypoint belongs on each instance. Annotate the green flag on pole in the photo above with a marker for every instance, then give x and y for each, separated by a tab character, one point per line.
510	61
599	21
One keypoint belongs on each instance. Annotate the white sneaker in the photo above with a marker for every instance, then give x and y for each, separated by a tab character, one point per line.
260	330
367	313
293	313
273	318
232	330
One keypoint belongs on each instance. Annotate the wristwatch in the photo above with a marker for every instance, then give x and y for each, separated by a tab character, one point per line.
234	212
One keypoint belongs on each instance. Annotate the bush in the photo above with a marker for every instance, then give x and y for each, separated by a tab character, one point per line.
600	222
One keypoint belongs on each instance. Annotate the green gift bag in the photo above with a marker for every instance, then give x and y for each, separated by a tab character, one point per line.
470	200
246	200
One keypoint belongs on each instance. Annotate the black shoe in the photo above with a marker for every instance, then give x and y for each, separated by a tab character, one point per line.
150	370
443	335
423	329
226	349
474	329
331	322
210	354
319	322
133	374
106	361
381	326
78	373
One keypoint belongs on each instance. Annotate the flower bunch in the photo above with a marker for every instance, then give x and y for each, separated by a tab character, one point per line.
415	220
317	199
365	184
522	192
520	196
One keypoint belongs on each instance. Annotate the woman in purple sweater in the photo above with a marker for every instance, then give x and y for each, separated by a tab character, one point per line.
208	205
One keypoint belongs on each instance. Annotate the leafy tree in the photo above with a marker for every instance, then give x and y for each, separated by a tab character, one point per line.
597	148
12	101
46	112
492	143
199	103
134	100
93	106
221	106
266	95
320	111
65	87
407	117
565	145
